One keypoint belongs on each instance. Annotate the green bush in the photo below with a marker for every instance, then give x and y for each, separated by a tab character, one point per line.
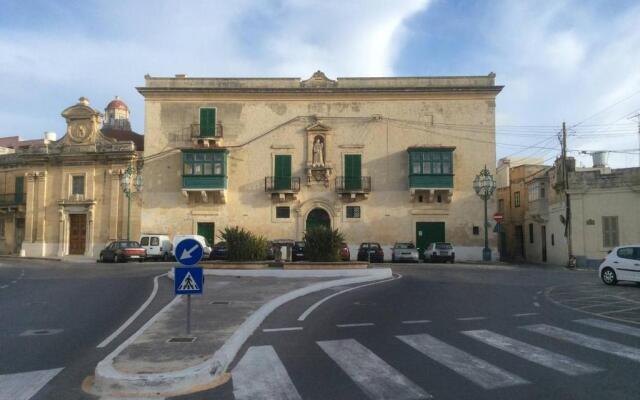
243	245
323	244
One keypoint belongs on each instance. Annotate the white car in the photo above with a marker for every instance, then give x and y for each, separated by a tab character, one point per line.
621	264
158	246
206	247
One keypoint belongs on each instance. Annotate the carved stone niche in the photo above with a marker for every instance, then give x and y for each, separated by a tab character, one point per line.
318	166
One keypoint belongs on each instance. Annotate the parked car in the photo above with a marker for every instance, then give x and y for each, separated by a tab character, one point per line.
371	252
345	254
157	246
404	252
206	247
219	251
123	251
440	251
621	264
297	252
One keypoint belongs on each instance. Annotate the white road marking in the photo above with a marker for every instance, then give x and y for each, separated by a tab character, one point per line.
606	346
250	380
4	286
539	292
471	318
317	304
619	311
355	325
538	355
610	326
135	315
475	369
527	314
293	328
375	377
535	303
417	321
23	385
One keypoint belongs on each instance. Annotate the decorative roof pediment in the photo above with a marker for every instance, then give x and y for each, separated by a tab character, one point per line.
318	127
83	124
318	80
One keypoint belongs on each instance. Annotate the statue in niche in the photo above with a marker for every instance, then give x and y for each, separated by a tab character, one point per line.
318	155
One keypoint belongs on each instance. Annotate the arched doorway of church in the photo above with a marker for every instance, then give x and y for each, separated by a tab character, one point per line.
318	217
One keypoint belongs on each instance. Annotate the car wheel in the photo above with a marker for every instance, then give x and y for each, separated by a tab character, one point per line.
609	276
101	259
116	259
453	260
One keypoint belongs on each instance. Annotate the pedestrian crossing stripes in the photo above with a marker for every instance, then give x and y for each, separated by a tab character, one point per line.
23	385
591	342
610	326
476	370
377	379
250	380
558	362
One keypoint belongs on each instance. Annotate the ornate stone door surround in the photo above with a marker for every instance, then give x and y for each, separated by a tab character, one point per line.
66	207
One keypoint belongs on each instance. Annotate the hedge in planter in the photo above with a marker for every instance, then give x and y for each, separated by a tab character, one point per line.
243	245
323	244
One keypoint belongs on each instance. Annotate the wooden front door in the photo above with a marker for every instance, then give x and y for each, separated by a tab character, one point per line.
77	233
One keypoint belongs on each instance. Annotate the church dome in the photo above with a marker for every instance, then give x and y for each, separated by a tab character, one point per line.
117	104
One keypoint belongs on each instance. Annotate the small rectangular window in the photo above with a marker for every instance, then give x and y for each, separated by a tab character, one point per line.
476	230
283	212
77	185
353	211
516	199
610	237
553	240
530	233
501	205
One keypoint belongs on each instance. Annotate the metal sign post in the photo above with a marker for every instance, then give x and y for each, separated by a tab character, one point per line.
188	279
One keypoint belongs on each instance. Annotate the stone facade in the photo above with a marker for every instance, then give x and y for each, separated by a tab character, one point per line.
273	155
64	197
605	212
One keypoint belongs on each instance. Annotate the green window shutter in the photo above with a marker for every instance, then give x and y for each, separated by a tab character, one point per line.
207	122
352	171
19	189
282	171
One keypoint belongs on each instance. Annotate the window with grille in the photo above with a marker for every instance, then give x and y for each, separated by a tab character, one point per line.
77	184
516	199
353	211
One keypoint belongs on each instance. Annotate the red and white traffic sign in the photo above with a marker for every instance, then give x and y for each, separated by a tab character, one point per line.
498	217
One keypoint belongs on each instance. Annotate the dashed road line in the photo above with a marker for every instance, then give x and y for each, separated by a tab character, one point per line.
527	314
292	328
355	325
417	321
619	311
536	304
471	318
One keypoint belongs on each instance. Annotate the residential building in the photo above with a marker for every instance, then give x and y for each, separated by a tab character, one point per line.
513	204
61	197
605	212
381	159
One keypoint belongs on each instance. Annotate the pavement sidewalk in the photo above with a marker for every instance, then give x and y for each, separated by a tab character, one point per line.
233	305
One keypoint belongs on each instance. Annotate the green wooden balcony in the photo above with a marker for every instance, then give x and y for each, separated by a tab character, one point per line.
431	181
204	182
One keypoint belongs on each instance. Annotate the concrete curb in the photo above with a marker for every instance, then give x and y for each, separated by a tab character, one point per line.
109	381
10	257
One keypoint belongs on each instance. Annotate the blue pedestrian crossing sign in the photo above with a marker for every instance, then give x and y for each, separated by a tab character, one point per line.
188	252
188	280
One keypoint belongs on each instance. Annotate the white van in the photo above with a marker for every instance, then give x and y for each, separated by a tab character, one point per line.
158	246
206	247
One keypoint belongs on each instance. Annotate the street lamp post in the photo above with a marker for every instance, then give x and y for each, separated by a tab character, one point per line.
129	177
484	184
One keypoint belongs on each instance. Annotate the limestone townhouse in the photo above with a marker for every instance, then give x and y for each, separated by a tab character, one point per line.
381	159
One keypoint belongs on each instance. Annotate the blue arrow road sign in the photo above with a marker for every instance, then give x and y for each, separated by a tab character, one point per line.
188	252
188	280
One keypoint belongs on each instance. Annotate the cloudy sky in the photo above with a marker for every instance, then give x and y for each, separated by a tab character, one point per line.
573	61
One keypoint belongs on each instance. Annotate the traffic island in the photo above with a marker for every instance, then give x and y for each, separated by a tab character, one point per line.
161	360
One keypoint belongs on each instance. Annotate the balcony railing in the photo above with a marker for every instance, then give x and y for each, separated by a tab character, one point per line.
347	184
195	132
281	184
12	199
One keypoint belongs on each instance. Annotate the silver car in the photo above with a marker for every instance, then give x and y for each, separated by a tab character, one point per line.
404	252
440	252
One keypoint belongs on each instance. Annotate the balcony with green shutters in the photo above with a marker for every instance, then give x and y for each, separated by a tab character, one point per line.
204	174
207	132
431	173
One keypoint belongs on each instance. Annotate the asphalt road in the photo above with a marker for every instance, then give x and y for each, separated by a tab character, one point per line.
442	331
54	315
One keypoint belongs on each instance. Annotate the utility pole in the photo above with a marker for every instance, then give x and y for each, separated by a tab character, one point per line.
638	117
565	185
